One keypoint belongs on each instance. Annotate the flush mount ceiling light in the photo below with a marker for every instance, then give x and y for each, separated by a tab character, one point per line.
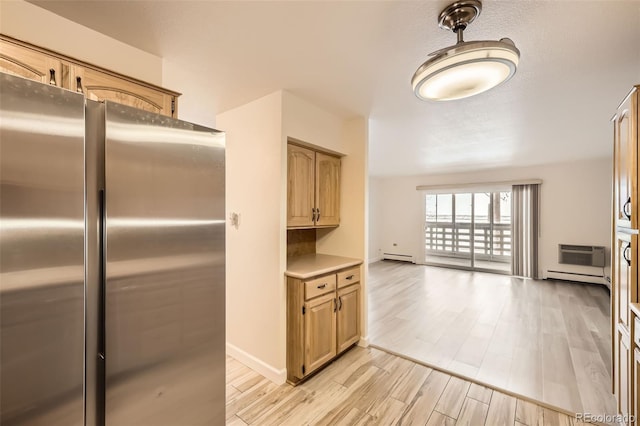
468	67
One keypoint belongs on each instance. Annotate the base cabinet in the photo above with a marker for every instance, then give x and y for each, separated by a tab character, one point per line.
323	320
319	331
636	380
348	316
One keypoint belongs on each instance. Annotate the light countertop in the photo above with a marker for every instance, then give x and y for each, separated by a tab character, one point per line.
310	265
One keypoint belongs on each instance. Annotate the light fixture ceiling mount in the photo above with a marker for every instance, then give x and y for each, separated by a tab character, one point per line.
466	68
459	14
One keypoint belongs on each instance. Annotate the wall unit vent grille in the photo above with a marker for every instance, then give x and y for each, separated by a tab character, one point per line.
570	254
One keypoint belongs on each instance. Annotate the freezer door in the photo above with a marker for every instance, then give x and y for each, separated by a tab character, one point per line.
165	260
41	254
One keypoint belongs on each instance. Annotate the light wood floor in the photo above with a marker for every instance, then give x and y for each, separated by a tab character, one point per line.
371	387
547	340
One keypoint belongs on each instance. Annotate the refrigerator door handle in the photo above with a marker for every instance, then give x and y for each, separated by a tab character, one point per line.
102	292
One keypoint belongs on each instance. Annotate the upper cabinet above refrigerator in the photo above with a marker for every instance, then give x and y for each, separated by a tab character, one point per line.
626	162
98	84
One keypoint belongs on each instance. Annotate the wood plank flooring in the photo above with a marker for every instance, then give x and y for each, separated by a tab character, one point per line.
367	386
547	340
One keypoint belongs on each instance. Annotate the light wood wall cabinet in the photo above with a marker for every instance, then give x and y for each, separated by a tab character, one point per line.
626	162
98	84
313	188
323	320
34	65
624	253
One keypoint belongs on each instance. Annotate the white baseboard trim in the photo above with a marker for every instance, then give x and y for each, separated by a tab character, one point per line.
276	376
375	259
364	342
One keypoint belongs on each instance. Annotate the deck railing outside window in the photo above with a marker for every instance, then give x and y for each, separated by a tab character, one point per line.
454	240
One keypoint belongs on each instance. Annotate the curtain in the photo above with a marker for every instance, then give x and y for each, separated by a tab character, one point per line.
525	228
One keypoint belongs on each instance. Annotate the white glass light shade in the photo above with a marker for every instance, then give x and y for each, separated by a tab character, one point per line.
466	69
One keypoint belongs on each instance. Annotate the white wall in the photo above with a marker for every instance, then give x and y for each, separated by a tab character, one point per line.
255	253
32	24
256	189
376	207
575	208
195	103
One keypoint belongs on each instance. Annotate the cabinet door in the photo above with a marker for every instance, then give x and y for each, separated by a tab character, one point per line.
101	86
319	331
636	382
625	161
300	181
327	190
626	276
32	64
622	379
348	321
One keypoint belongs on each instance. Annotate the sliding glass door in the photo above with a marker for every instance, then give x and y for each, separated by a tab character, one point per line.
470	230
492	231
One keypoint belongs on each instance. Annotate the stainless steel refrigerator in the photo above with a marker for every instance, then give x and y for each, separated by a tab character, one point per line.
112	263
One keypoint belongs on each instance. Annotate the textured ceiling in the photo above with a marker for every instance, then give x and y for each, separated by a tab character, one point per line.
578	60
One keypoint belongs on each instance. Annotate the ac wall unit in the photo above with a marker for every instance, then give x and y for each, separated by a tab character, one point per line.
570	254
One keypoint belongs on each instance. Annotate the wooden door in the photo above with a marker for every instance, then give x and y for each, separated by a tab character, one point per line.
100	86
300	181
348	321
625	165
327	190
623	363
32	64
319	331
626	276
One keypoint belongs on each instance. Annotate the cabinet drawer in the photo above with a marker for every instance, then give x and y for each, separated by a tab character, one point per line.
348	277
319	286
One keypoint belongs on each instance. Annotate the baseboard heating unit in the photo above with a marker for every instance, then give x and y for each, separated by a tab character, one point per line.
401	257
576	276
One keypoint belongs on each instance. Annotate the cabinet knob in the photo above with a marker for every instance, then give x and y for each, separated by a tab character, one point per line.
52	77
350	277
322	285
